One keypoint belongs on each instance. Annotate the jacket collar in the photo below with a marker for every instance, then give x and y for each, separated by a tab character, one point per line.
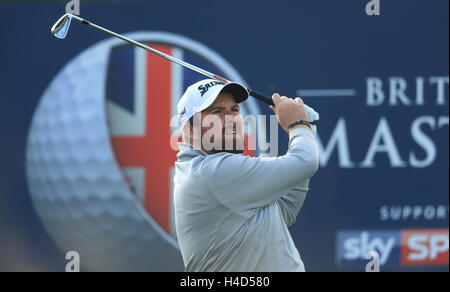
188	151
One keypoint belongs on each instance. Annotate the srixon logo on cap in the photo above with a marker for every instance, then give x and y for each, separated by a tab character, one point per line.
204	88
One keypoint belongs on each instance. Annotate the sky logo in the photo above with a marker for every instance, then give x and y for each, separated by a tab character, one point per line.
353	247
396	248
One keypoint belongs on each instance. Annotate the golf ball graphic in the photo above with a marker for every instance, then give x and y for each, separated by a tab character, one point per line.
77	184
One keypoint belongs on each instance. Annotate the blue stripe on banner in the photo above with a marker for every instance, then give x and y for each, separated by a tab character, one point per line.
190	77
120	77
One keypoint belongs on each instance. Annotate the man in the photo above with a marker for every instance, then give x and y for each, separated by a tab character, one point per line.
232	212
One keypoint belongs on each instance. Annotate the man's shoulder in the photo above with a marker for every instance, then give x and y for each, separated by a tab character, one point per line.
226	164
222	156
209	166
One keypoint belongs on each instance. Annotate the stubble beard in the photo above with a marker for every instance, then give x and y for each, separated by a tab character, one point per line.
236	146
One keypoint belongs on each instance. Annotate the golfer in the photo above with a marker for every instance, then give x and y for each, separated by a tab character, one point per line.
232	212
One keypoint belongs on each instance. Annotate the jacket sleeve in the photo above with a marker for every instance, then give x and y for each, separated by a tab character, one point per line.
246	184
291	203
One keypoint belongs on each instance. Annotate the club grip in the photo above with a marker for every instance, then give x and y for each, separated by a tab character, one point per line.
267	100
261	97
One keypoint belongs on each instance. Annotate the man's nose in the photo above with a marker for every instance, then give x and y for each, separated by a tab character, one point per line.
231	117
231	121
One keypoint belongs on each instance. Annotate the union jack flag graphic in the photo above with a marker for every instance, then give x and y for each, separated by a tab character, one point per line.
142	92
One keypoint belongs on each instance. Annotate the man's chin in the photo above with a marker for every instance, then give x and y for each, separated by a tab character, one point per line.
236	146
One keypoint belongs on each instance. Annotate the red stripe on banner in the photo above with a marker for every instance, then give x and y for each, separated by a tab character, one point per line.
161	157
249	146
152	151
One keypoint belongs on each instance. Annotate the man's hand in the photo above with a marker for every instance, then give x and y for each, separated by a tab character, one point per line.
289	111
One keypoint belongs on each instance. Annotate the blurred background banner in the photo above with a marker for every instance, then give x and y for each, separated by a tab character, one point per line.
380	84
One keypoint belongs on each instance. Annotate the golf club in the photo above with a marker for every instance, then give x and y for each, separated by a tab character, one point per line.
61	28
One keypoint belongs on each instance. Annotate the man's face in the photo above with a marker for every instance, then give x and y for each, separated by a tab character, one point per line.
223	126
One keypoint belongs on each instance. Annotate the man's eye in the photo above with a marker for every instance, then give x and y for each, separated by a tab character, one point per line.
235	110
216	112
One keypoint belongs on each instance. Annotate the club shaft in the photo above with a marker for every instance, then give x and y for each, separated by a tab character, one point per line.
253	93
147	48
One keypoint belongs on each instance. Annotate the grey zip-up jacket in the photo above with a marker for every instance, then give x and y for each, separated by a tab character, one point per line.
232	211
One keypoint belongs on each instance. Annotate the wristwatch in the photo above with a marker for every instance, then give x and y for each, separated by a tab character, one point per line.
300	122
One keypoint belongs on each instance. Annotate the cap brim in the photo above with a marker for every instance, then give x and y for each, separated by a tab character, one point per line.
239	92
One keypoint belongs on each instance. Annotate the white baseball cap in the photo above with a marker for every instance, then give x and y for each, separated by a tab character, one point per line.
202	95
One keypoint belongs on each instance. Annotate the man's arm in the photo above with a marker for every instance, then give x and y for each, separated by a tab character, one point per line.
291	203
246	184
